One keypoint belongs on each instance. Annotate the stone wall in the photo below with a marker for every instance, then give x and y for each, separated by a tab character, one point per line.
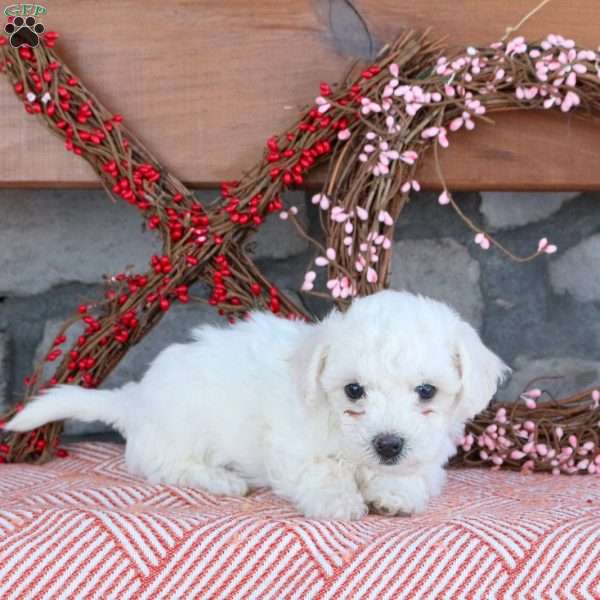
542	317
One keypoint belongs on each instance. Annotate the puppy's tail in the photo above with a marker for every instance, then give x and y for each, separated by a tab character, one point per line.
72	402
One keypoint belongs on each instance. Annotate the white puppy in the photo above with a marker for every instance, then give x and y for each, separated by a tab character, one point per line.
363	408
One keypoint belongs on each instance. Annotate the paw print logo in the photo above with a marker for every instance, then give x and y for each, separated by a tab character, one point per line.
24	32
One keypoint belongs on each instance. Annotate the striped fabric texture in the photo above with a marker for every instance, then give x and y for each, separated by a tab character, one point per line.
82	527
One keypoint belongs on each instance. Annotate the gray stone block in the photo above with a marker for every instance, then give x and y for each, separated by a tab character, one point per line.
279	239
174	327
574	375
503	210
576	271
4	370
65	236
424	218
441	269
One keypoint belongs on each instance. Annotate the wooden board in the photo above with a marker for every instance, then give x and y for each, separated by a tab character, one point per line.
204	83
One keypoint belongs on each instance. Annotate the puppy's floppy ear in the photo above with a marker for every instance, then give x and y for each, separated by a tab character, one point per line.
308	362
480	370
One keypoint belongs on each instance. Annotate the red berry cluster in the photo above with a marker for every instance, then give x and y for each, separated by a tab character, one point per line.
178	222
53	354
81	365
38	81
41	81
127	323
293	174
50	38
250	214
221	272
56	351
161	264
95	136
134	191
221	295
85	110
370	72
37	444
275	301
199	222
292	171
132	282
164	293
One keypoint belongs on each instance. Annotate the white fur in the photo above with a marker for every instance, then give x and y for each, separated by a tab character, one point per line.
262	403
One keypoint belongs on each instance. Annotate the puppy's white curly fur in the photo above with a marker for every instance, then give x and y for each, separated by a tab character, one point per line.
262	403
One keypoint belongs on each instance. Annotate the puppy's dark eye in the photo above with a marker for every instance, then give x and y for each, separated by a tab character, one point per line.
354	391
426	391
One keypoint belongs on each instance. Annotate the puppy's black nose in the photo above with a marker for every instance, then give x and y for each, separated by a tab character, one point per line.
388	446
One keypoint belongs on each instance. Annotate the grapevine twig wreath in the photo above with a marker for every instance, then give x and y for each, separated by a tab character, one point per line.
372	132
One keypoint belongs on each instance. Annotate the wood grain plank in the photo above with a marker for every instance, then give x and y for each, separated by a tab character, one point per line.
204	83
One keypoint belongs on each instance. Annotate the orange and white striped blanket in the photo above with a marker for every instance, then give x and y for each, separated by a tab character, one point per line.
82	527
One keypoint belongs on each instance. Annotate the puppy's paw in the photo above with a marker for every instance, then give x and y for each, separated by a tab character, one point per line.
336	506
227	484
399	503
397	495
215	480
321	488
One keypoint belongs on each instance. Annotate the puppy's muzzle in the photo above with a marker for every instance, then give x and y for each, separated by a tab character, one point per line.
389	447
